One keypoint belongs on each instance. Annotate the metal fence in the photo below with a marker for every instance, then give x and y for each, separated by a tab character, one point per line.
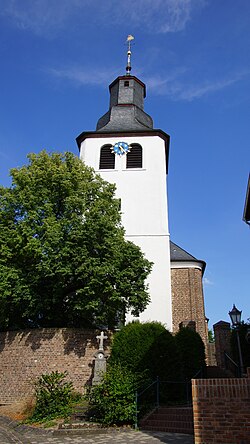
167	393
231	366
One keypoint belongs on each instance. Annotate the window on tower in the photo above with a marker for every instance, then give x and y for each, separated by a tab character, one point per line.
134	157
107	158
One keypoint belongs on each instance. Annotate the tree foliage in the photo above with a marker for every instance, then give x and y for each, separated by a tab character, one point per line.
192	351
244	335
63	257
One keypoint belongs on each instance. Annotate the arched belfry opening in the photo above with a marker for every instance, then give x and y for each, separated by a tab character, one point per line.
134	157
107	158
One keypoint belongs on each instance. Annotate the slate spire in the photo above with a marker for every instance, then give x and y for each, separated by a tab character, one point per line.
126	107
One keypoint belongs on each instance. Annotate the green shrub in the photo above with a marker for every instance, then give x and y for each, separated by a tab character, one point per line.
162	358
53	396
132	342
147	347
113	400
150	351
192	352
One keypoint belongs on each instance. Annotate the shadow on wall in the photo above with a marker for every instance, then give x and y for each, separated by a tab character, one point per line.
77	341
33	338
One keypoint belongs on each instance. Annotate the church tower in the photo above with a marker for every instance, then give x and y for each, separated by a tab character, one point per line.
126	150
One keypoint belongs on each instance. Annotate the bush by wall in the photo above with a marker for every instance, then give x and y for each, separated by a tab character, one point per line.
146	347
53	396
192	352
113	400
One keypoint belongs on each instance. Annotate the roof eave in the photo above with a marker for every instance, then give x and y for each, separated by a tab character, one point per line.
203	263
102	134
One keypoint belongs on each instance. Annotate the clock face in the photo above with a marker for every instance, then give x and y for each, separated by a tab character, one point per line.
100	355
120	148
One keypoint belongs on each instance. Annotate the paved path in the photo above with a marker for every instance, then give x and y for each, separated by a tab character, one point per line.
11	432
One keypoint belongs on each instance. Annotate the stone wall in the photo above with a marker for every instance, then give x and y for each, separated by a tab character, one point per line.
188	300
25	355
221	410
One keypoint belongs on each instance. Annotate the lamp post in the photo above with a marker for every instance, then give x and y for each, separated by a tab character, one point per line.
235	316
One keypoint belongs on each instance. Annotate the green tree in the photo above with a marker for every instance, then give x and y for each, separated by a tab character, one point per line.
243	330
63	257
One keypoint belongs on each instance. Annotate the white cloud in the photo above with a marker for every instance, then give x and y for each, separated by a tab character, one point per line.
179	88
206	281
4	155
158	16
43	17
84	75
175	85
46	17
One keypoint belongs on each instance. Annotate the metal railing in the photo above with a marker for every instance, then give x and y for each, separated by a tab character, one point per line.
168	393
231	365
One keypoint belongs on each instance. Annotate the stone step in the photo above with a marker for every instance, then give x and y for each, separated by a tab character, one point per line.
80	425
79	413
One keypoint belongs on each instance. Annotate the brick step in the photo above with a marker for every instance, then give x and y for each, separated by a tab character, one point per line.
176	410
157	423
188	415
188	431
214	372
170	419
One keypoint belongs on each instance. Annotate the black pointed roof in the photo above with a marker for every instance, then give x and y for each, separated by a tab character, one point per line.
177	254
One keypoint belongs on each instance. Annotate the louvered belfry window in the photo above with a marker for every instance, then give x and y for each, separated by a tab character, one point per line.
134	157
107	159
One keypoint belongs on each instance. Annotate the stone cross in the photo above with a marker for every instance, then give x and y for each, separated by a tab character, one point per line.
101	337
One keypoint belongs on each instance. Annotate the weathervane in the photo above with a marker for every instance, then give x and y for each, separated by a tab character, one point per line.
128	68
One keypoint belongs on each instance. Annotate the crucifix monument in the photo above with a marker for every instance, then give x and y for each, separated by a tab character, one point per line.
100	360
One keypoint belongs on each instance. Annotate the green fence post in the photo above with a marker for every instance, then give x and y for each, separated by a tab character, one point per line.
157	392
136	410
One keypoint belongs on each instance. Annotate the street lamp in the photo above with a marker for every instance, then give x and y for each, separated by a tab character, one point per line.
235	316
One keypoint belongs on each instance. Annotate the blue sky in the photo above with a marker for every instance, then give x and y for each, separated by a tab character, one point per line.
57	60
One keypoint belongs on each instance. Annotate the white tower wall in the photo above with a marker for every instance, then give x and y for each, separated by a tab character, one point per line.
143	197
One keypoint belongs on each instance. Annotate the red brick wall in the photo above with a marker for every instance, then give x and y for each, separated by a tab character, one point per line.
222	334
188	300
25	355
221	410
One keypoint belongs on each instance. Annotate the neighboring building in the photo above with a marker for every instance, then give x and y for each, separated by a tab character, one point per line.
126	150
246	215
